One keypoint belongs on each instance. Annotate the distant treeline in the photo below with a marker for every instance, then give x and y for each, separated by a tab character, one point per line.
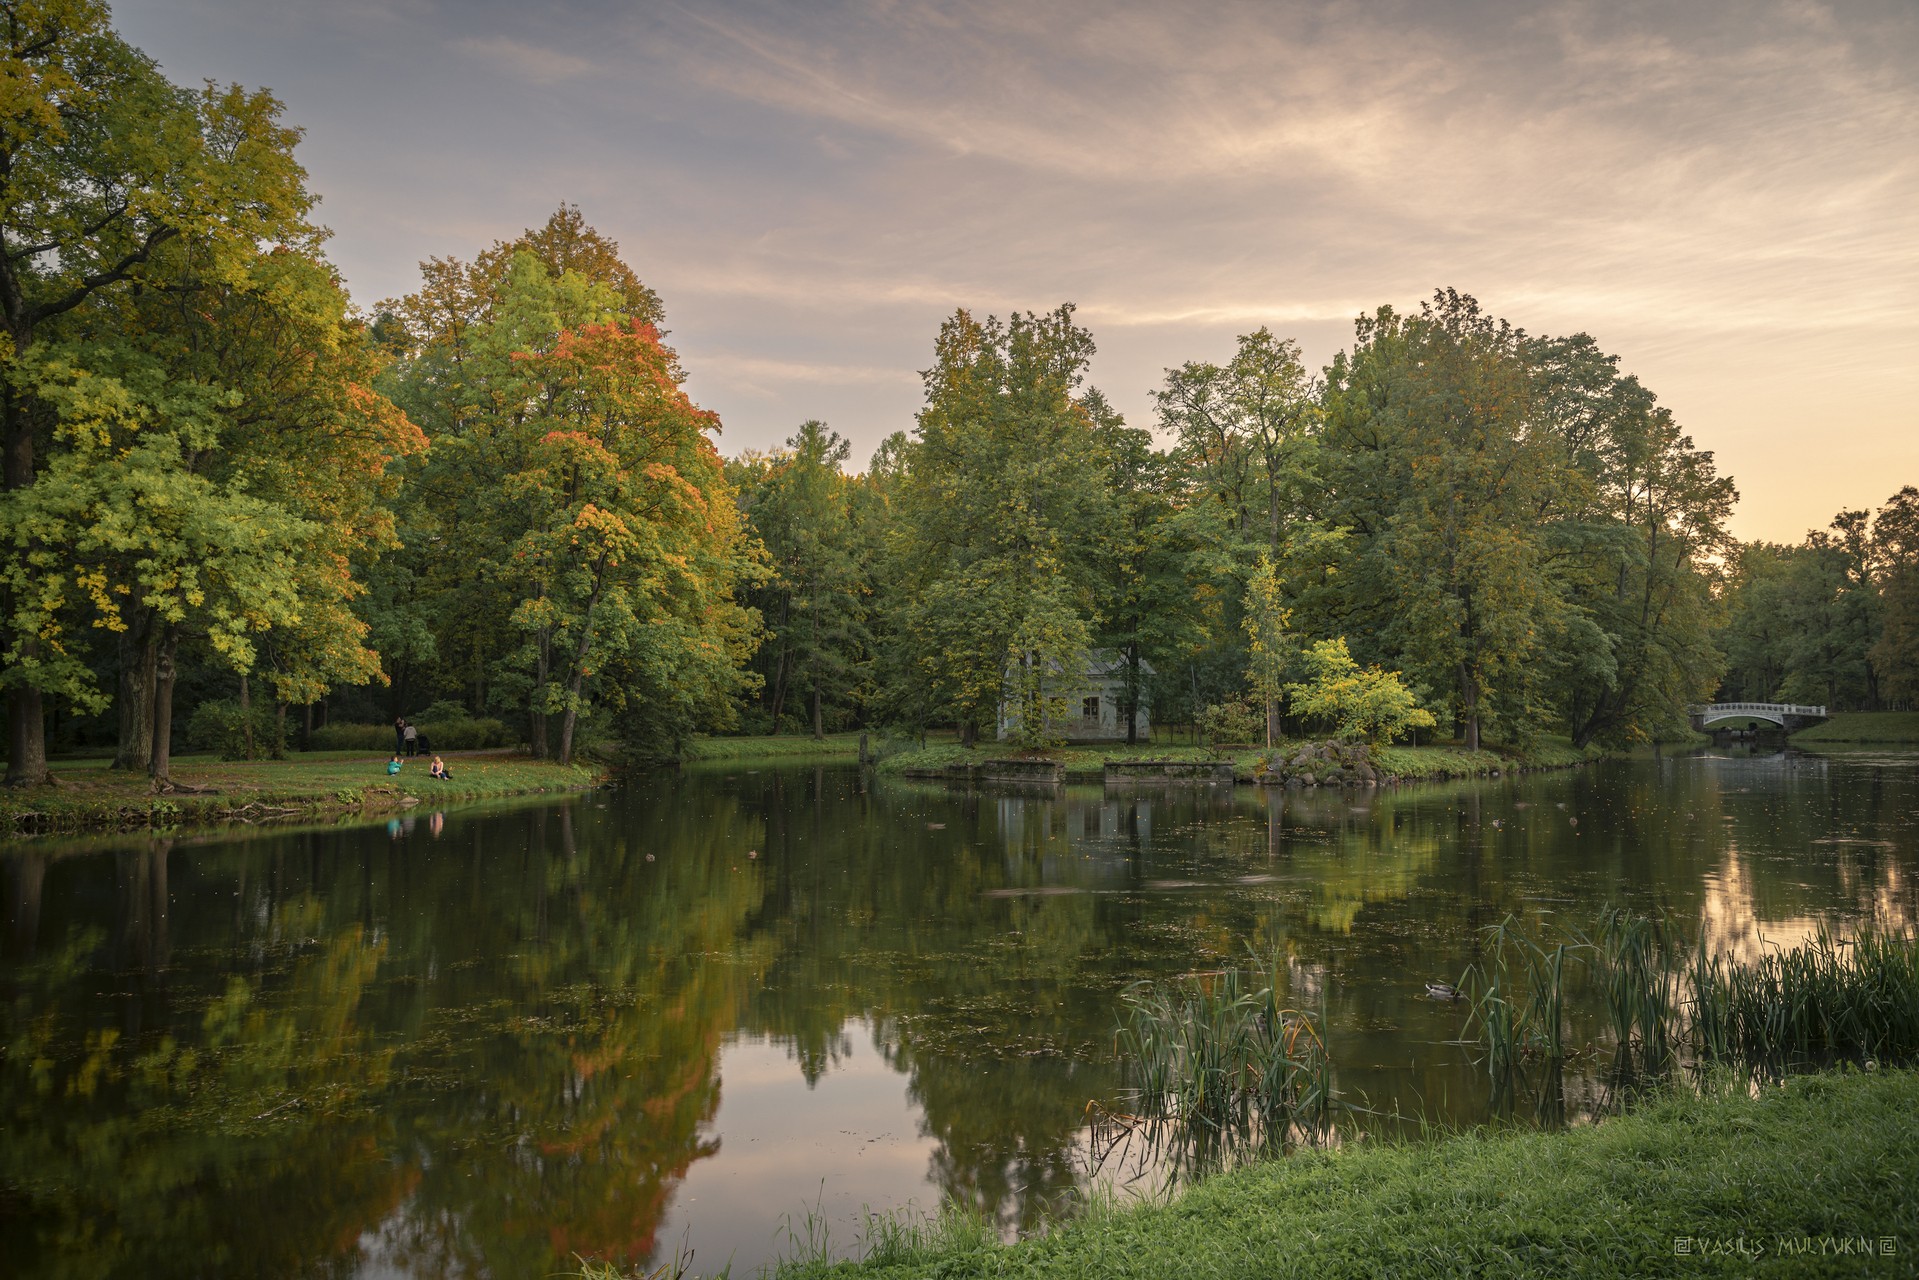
227	488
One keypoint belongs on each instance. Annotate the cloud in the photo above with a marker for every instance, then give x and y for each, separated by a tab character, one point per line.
530	62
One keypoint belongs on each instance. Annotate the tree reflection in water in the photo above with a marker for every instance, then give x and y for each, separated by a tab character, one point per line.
484	1044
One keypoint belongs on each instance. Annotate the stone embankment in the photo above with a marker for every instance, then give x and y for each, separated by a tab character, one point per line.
1320	764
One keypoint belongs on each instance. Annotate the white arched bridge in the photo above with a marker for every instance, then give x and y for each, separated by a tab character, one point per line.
1786	715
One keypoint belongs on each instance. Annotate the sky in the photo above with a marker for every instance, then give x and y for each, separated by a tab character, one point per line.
1724	193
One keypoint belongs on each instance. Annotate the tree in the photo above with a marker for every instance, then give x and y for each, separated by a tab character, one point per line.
1441	485
1895	546
998	494
803	507
1160	560
1247	429
1635	539
632	542
218	470
103	163
1361	702
1273	649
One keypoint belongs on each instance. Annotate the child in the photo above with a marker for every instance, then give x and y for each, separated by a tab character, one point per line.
438	770
393	765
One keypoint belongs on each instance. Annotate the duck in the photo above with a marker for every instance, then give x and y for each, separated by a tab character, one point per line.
1442	991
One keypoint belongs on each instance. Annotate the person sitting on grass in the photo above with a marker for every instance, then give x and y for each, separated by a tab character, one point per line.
393	766
438	770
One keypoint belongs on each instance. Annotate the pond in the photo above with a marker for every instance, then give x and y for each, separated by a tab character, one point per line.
723	1008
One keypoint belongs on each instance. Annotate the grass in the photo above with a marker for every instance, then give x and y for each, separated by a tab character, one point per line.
1822	1159
1404	763
785	746
91	797
1862	726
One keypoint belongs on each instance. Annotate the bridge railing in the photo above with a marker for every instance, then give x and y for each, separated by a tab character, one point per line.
1724	710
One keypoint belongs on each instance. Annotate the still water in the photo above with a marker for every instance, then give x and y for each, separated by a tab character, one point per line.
698	1010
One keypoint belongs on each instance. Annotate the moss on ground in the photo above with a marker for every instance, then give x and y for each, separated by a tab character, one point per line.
90	797
1673	1189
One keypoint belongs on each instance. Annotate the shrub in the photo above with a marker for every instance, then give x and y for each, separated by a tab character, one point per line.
1235	721
220	726
1360	702
446	726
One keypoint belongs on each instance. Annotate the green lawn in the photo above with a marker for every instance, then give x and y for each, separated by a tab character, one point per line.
91	797
1862	726
1670	1190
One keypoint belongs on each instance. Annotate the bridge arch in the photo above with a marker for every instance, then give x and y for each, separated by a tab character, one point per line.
1787	715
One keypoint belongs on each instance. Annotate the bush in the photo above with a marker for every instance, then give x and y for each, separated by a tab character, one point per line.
1232	722
220	726
455	730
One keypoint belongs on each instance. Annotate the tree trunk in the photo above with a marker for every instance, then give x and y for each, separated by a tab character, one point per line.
1132	695
280	738
536	716
578	676
1469	706
819	722
26	715
138	652
160	763
246	715
969	733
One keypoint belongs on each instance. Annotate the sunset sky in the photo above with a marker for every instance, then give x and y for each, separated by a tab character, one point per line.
1724	194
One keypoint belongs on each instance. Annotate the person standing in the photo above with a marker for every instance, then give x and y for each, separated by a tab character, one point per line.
412	736
399	734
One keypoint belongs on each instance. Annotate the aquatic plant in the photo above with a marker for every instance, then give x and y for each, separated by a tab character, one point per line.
1222	1058
1517	997
1668	1001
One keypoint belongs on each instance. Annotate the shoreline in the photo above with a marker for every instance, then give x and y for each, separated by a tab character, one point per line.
1669	1188
1395	764
302	788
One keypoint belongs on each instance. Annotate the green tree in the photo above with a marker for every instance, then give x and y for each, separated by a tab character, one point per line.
1635	535
1273	649
103	165
1247	429
806	511
1445	493
1361	702
998	495
1895	545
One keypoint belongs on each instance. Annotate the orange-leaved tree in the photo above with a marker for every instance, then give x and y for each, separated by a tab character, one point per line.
632	544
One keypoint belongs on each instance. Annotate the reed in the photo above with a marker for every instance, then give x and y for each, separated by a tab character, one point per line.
1518	998
1667	1000
1825	1000
1225	1062
1638	967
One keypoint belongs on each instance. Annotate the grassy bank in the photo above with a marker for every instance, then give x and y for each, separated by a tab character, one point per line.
1862	726
1403	763
789	748
90	797
1669	1190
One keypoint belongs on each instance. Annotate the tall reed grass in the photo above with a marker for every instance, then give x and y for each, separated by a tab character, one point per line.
1225	1063
1668	1002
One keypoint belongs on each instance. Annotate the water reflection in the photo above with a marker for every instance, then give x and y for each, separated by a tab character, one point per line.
480	1043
